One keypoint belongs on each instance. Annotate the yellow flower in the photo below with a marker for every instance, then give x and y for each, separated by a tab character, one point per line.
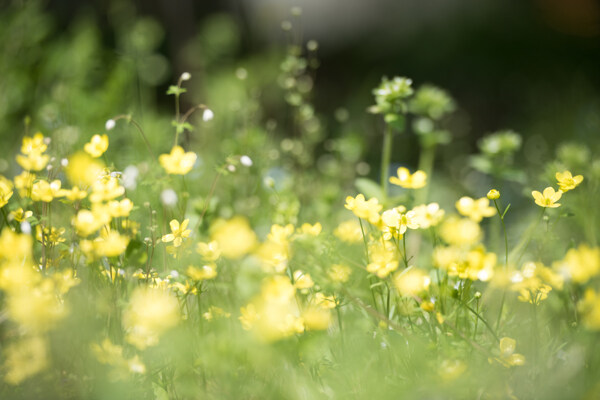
87	222
428	215
548	198
35	144
580	264
460	231
302	280
348	231
409	181
368	210
110	244
209	251
33	161
150	313
178	162
493	194
45	191
567	182
83	170
339	273
120	208
412	281
396	222
311	230
19	215
234	237
106	189
24	359
6	191
508	357
383	260
178	232
75	194
24	182
589	307
208	271
97	146
475	209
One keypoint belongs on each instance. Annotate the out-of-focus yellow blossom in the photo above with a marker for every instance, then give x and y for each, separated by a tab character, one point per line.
33	161
460	231
302	281
96	146
188	288
475	264
205	272
493	194
24	183
75	194
209	251
64	280
178	232
508	357
428	215
45	191
150	313
6	190
24	359
274	314
368	210
311	230
15	246
397	222
451	369
36	309
110	244
580	264
19	215
281	234
534	282
316	318
324	301
412	282
339	273
234	237
106	189
120	208
87	222
589	307
178	162
566	181
548	198
475	209
111	354
215	312
348	231
83	170
273	256
383	259
51	235
34	144
409	181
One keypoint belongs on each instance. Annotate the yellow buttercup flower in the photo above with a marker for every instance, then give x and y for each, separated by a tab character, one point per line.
475	209
208	271
83	170
368	210
508	357
234	237
35	144
493	194
567	182
24	182
19	215
6	191
339	273
97	146
178	232
589	307
178	162
548	198
209	251
409	181
348	231
33	161
412	281
46	191
428	215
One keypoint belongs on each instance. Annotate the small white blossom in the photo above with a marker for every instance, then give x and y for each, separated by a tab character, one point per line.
168	197
26	227
207	115
186	76
110	124
246	161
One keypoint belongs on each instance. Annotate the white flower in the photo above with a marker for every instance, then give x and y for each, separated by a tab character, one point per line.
110	124
168	197
207	115
186	76
246	161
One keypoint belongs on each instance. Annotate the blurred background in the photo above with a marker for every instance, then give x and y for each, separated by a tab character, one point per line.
530	66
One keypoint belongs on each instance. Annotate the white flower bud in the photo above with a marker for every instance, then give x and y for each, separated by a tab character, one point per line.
64	162
246	161
168	197
26	227
207	115
186	76
110	124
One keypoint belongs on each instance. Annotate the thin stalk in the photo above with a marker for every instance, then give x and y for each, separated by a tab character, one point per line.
500	214
386	156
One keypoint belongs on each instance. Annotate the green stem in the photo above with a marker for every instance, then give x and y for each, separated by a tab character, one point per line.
386	158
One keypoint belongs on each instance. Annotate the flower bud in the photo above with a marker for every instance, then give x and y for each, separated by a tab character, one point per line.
493	194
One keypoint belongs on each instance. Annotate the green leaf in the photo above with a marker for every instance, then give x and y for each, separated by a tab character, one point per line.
505	210
176	90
